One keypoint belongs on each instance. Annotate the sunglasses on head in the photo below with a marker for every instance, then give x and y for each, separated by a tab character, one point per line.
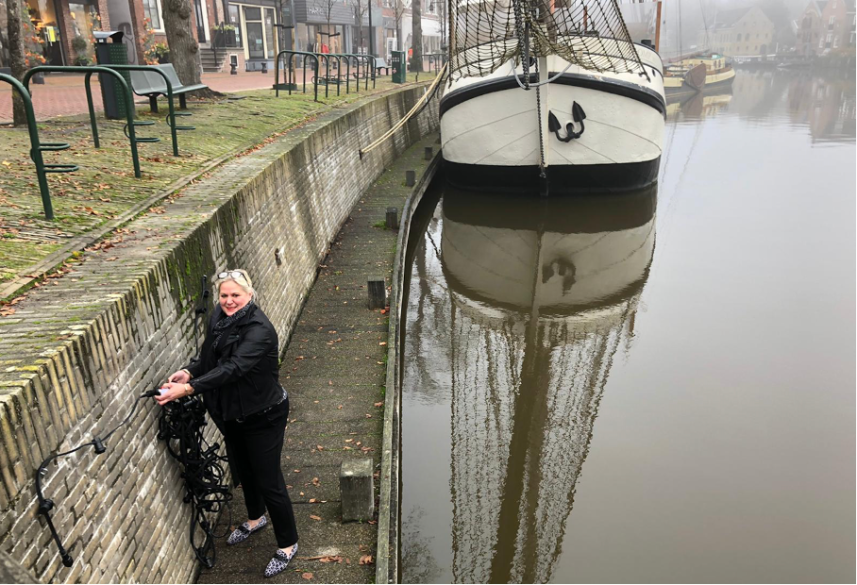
231	274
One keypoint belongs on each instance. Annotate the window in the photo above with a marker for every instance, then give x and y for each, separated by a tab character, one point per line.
255	36
235	18
153	13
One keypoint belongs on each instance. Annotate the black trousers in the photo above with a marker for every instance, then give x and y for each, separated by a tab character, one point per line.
254	448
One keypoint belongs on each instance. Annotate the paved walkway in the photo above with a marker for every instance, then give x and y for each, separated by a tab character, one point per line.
64	94
334	369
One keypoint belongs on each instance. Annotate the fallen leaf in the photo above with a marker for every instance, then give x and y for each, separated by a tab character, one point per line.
307	576
383	343
379	404
366	560
319	447
314	517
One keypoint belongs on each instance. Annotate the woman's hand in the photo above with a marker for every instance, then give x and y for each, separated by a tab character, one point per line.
180	377
171	391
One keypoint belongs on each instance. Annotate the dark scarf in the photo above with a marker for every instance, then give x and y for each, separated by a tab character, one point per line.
227	322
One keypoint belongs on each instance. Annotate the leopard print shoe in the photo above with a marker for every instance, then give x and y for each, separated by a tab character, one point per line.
280	561
244	531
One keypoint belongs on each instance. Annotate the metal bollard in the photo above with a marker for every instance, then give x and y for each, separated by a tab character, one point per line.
377	292
429	151
410	178
392	218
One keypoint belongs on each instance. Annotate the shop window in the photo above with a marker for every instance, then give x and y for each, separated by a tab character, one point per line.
45	28
84	20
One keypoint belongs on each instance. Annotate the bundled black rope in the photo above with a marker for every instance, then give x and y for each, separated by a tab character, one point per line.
181	426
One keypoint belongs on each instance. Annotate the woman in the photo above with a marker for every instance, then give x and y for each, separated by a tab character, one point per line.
237	377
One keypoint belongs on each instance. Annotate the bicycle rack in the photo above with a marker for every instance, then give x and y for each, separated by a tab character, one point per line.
129	111
171	116
37	148
291	55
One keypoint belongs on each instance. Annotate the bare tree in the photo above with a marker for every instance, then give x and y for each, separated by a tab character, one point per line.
417	43
359	8
399	9
16	57
326	7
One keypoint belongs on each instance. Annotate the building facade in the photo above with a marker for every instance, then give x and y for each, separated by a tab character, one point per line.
838	26
809	29
256	29
743	32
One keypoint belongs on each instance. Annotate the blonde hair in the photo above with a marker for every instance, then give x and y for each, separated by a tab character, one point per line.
242	280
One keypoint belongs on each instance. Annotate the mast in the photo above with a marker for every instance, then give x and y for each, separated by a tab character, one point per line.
658	29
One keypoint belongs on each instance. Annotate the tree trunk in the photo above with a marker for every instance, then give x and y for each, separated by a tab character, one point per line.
184	49
16	58
417	42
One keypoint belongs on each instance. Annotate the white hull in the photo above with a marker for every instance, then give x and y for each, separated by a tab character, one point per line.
491	122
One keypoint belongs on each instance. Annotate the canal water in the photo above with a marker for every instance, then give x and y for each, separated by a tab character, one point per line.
653	387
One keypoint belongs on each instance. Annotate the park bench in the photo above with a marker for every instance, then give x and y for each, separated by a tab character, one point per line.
380	63
152	85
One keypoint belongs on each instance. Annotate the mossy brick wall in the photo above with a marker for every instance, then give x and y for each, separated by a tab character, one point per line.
81	348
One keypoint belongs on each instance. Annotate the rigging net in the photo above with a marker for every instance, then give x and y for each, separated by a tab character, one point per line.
485	34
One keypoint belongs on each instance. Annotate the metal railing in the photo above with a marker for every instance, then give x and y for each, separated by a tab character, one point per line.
290	71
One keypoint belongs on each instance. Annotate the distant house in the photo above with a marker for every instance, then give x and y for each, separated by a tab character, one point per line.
809	29
852	23
837	26
742	32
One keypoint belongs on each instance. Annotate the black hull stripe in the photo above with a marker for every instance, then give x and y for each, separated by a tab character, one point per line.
616	87
562	179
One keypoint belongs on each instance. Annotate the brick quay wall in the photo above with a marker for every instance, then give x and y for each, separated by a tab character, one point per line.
79	349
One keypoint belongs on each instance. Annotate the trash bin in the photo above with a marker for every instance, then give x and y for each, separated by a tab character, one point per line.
112	53
398	65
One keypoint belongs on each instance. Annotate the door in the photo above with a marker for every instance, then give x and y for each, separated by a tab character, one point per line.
201	28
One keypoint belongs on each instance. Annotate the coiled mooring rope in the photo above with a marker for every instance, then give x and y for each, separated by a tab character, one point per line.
411	113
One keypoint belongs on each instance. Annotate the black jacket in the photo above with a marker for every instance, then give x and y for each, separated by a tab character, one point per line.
239	377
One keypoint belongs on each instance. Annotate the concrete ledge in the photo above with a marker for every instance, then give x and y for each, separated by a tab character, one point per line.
387	560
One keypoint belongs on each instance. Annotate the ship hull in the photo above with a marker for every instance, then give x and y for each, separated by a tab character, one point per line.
494	133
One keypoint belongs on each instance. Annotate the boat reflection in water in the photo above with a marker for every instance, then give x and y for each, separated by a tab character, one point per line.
540	298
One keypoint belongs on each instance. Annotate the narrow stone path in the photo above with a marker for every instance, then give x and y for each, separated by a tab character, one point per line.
334	370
